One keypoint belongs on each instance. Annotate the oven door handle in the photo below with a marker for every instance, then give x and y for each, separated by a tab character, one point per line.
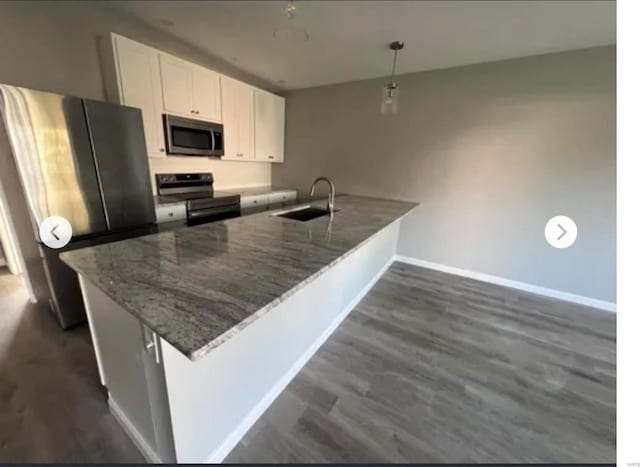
213	211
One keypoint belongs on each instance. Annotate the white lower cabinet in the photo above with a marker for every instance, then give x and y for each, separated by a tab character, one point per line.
254	201
171	212
283	197
267	201
129	357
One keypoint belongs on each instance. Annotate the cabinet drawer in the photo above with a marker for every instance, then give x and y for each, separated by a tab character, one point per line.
282	197
172	212
254	201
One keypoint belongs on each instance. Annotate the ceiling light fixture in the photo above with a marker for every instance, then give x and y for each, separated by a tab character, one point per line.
291	33
290	11
390	92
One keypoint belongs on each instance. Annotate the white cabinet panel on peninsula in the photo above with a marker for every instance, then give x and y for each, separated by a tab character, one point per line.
138	76
238	120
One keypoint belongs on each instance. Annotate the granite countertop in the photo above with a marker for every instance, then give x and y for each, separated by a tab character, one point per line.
257	190
196	287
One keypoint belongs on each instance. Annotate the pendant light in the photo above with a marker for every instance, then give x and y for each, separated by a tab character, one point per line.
291	34
390	91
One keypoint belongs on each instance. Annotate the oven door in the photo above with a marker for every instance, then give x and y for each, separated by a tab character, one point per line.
188	137
201	211
202	216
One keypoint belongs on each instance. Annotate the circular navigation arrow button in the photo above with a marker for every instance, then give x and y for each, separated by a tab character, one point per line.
561	232
55	231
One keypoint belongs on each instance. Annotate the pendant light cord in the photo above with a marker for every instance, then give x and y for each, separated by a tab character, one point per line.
393	69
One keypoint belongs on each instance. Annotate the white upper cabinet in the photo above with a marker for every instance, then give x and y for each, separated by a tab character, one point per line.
139	86
246	134
189	90
176	85
269	126
159	83
230	117
206	93
238	120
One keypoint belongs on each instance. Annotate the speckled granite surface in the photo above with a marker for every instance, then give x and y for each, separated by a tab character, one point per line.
198	286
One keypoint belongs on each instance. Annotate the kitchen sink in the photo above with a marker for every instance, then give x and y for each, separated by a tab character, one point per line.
305	214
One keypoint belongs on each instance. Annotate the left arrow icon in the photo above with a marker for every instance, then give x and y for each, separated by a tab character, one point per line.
55	231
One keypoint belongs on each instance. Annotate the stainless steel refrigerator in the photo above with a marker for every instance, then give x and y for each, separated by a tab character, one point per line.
80	159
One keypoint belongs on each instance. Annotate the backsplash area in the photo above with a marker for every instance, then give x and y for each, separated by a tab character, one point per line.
227	174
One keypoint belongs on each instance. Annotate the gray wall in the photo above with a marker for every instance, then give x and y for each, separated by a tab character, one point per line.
53	45
492	151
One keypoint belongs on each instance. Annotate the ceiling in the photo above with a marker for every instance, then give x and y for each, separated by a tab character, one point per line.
348	40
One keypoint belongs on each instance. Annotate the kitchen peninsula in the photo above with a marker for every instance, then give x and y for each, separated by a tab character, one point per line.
197	330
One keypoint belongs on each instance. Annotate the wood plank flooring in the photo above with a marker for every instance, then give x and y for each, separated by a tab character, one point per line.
52	407
432	367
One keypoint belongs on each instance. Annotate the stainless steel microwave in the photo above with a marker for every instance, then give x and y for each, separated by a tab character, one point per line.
189	137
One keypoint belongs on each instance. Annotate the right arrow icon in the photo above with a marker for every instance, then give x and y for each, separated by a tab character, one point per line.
561	232
564	232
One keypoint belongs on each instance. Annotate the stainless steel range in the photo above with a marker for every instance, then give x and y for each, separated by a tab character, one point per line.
204	204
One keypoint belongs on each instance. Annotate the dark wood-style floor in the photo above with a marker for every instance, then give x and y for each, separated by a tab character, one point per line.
431	367
52	407
428	367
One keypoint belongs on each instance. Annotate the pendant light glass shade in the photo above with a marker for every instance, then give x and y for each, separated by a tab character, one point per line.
390	91
390	97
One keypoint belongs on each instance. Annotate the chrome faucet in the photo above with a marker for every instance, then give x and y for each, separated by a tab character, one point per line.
332	192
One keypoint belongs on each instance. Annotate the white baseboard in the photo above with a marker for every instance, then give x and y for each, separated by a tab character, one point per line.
552	293
146	450
237	434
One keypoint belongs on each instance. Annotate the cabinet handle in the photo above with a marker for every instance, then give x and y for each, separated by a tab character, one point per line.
198	112
270	157
161	149
240	155
153	344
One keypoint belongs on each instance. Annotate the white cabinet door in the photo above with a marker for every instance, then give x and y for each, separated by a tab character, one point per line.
238	120
206	93
269	127
176	86
230	117
139	86
246	123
